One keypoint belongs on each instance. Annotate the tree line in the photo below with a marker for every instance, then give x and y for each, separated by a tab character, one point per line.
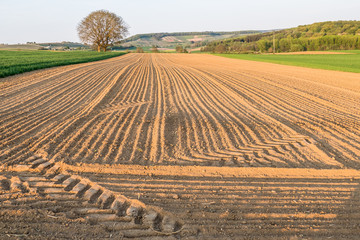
340	35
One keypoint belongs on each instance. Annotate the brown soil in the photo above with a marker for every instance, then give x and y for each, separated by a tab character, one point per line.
234	149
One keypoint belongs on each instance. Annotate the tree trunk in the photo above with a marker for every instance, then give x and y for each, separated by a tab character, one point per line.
99	48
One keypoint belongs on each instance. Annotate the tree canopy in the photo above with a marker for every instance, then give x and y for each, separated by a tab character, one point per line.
101	29
338	35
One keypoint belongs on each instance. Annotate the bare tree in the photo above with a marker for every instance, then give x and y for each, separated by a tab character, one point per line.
102	28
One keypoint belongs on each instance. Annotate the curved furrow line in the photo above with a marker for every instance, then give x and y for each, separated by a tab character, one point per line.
278	106
62	96
304	96
154	137
75	70
120	135
66	107
325	113
100	141
116	136
70	140
88	148
35	86
22	145
120	128
148	134
126	145
106	126
217	155
273	80
177	107
214	145
37	113
139	135
136	137
137	91
208	120
213	108
113	79
336	133
206	125
65	149
127	126
234	106
62	108
212	97
104	149
46	93
146	94
192	118
123	92
85	144
177	122
108	146
133	148
143	88
325	118
78	144
180	108
344	98
66	127
226	110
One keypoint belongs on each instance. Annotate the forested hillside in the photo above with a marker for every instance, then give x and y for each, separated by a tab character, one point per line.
339	35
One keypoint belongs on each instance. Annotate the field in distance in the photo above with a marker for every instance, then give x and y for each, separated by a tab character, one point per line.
14	62
322	60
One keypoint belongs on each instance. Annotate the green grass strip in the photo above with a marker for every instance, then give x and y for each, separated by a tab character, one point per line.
15	62
338	62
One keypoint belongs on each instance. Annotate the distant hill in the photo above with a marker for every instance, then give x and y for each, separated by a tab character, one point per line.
44	46
331	35
186	39
64	44
19	47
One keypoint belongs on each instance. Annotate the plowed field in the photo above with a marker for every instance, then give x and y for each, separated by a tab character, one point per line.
234	149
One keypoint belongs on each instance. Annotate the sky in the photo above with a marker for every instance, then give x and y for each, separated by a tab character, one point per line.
39	21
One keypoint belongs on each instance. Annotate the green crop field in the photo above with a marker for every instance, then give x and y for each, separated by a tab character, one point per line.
14	62
338	62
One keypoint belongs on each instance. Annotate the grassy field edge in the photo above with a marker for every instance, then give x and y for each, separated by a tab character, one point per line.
337	62
16	62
